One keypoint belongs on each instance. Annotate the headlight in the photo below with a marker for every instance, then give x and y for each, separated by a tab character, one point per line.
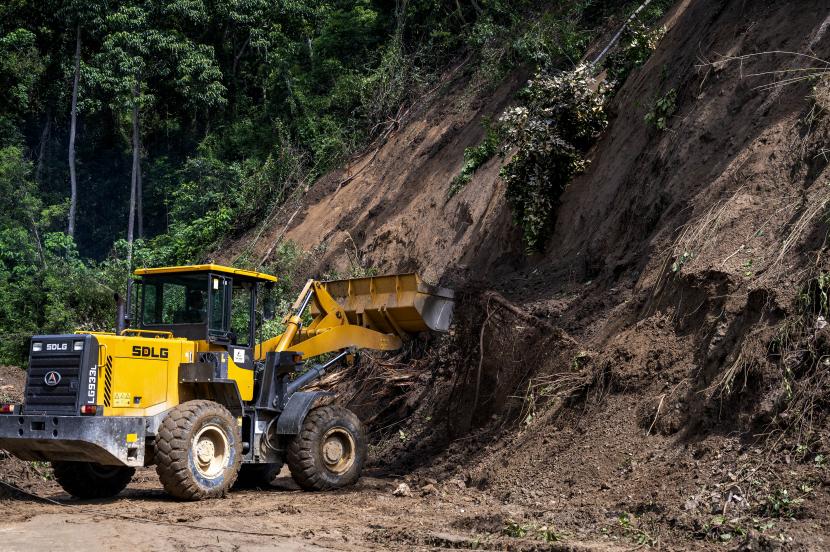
78	346
37	347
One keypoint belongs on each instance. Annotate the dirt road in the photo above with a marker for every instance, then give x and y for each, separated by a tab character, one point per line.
365	517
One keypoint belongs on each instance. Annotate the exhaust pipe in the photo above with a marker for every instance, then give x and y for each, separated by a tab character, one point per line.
122	309
120	315
129	306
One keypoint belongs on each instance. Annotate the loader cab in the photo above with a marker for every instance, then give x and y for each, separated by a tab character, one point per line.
210	303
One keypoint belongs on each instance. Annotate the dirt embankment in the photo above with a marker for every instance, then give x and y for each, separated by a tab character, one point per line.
26	475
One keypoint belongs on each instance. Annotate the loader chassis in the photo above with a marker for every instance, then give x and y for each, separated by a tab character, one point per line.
190	390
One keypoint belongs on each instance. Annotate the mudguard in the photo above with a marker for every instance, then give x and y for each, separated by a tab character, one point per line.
291	419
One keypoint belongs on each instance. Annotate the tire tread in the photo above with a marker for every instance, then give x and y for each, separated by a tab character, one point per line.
76	479
300	455
172	452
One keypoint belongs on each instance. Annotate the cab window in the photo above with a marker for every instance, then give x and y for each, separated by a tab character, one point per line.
241	313
174	300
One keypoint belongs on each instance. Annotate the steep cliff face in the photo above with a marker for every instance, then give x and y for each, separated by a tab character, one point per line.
666	352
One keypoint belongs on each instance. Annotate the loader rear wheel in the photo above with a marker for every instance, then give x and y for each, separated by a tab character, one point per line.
198	450
91	480
257	475
330	450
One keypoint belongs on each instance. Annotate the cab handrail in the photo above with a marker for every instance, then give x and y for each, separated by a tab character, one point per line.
159	334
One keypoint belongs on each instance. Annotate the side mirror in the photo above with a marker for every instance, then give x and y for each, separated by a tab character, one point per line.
268	306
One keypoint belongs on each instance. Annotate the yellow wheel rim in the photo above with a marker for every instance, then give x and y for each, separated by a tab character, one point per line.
338	450
210	451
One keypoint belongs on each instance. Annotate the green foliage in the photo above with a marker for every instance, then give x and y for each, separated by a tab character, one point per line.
527	34
781	504
562	116
630	527
383	91
662	110
45	287
287	263
814	298
678	264
567	36
549	534
20	66
518	530
636	45
477	156
515	529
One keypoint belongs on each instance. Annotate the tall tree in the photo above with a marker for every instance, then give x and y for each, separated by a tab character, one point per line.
135	192
73	125
146	56
81	20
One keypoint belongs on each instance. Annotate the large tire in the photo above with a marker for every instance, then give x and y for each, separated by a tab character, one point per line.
252	476
198	450
330	450
91	480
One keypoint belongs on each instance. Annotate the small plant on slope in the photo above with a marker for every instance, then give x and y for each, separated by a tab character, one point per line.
636	46
662	110
477	156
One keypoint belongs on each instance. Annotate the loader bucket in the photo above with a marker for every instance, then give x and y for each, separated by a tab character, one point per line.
400	304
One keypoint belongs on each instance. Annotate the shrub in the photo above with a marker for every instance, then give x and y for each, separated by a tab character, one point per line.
637	44
562	116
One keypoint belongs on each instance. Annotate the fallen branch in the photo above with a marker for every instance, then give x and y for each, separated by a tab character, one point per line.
481	356
521	313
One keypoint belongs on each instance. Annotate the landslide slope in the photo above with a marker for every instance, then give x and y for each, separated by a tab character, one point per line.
389	208
658	374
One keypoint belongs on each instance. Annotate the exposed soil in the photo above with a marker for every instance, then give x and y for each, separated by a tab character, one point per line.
657	378
365	517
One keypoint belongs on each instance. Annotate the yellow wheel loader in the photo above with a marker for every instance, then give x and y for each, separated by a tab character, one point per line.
192	390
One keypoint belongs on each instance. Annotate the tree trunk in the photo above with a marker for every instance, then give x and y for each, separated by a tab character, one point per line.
41	154
238	55
139	184
39	243
133	179
73	179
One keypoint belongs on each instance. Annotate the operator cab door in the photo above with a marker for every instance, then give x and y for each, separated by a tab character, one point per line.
242	328
219	301
231	305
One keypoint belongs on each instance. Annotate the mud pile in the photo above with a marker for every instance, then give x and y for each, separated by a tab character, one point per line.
659	374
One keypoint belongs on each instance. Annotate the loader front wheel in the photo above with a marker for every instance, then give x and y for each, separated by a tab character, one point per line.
198	450
91	480
330	450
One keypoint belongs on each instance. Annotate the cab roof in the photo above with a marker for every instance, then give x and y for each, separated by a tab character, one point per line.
248	274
